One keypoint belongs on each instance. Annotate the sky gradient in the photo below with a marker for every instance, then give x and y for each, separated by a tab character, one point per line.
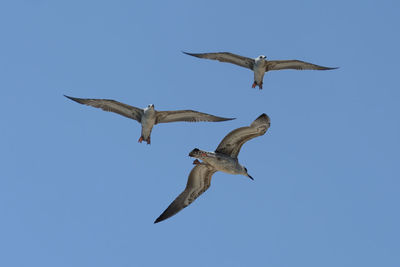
76	189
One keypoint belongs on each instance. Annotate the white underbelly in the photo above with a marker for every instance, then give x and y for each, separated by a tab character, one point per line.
224	164
147	126
259	74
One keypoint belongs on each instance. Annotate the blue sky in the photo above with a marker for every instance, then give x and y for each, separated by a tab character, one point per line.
76	189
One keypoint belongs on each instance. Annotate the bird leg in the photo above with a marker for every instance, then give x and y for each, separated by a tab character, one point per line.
148	140
140	139
260	85
254	85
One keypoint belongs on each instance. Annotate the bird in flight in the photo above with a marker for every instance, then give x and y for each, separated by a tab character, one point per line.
259	65
223	159
148	117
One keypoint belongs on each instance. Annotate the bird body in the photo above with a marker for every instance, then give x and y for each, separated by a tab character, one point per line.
148	120
259	71
218	161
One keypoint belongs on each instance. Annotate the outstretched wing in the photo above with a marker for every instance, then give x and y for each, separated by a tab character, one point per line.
293	64
233	141
198	182
186	115
112	106
227	57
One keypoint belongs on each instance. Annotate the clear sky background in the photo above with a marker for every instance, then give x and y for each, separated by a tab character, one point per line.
76	189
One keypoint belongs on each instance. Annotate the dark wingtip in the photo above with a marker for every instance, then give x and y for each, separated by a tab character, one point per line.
163	217
72	98
78	100
263	119
227	119
248	175
329	68
191	54
264	116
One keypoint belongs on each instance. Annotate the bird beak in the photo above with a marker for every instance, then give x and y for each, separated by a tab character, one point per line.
248	175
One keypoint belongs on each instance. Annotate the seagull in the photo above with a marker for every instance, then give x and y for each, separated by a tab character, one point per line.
259	65
148	116
223	159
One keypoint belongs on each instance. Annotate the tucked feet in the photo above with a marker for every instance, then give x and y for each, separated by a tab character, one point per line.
260	86
254	85
148	140
196	162
140	139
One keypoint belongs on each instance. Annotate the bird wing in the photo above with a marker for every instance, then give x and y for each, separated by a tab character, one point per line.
227	57
186	115
293	64
233	141
111	105
198	182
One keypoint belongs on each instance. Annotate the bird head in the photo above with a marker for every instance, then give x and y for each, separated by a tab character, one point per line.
150	106
195	153
262	57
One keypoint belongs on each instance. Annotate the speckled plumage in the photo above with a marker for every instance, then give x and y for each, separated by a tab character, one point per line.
224	159
259	65
148	117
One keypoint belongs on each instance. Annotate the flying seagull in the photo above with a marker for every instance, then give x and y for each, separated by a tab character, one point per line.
223	159
148	116
259	65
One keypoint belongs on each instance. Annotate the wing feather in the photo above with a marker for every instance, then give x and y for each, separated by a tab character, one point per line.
293	64
227	57
198	182
232	142
186	115
111	106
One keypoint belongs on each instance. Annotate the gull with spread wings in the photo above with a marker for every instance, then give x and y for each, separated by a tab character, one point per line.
148	116
223	159
259	65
